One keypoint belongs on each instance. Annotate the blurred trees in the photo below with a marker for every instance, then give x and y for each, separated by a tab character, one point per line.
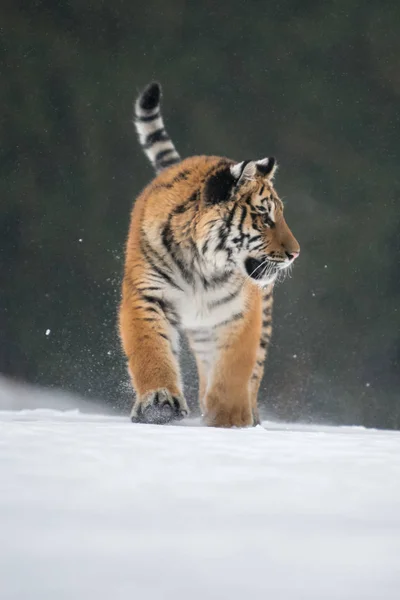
315	84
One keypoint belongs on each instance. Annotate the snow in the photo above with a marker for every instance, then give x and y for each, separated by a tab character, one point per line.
94	507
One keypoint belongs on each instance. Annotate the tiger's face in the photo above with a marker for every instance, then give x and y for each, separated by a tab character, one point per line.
253	232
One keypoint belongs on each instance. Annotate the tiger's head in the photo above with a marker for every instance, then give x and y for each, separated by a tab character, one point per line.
245	220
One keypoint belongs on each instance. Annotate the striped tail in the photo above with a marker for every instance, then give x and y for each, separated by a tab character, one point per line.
149	124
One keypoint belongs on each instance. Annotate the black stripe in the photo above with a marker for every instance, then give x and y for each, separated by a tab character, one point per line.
167	238
171	317
167	234
224	230
223	278
181	176
205	340
195	196
240	226
151	253
181	208
146	251
149	288
242	236
231	215
223	233
150	309
160	135
195	330
268	221
163	153
235	317
257	246
242	218
195	251
168	163
149	118
217	280
225	299
162	305
254	238
154	300
255	221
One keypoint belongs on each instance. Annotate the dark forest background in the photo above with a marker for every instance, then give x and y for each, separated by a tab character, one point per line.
316	84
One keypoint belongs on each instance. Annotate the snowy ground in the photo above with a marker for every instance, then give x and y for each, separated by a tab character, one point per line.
93	507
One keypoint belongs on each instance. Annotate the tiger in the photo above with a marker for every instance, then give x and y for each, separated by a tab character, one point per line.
207	242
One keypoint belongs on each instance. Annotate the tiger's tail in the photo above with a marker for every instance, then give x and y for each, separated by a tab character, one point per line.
149	124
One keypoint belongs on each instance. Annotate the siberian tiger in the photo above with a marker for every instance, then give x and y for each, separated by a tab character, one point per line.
207	241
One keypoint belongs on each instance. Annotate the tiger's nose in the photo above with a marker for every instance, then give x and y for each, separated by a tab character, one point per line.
292	255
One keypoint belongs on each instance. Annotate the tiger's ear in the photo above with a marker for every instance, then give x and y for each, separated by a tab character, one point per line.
267	167
243	171
248	169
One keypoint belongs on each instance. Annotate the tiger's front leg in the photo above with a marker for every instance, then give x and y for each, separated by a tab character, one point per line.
147	338
266	330
228	400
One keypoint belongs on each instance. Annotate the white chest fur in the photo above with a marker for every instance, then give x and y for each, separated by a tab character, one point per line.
208	308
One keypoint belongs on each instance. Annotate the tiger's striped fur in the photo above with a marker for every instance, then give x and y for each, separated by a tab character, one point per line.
207	241
149	124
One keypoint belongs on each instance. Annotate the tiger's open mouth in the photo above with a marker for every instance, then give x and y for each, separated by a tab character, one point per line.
264	270
256	268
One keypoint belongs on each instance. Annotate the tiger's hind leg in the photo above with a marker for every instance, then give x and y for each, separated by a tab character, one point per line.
228	398
266	331
147	336
202	343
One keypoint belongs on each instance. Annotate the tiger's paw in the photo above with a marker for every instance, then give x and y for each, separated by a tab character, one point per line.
229	416
159	407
